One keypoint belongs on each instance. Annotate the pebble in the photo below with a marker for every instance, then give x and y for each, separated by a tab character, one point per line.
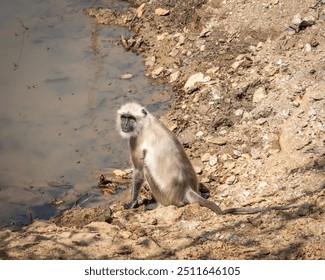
259	95
197	169
157	71
230	180
213	160
205	157
217	140
161	12
150	61
126	76
199	134
239	112
297	19
308	47
261	121
194	79
318	96
236	154
174	77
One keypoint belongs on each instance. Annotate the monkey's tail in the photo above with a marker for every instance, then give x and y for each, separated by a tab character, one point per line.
193	197
250	210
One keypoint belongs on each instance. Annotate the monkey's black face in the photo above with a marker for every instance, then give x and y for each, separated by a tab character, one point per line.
128	123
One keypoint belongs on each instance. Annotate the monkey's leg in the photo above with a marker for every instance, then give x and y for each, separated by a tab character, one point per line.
137	182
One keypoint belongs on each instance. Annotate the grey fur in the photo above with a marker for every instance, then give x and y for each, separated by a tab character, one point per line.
159	159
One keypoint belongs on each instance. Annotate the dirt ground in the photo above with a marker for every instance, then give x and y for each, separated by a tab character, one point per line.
250	111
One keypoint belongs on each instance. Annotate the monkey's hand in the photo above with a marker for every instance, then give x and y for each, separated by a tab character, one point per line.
131	204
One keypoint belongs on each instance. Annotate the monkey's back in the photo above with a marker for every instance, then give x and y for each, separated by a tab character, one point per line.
167	168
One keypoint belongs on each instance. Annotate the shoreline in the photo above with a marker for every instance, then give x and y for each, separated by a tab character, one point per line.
248	109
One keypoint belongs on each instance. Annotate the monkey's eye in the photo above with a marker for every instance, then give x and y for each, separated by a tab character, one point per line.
127	118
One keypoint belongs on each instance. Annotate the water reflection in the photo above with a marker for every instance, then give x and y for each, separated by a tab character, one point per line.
60	87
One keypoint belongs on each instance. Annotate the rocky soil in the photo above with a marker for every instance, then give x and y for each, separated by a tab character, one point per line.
250	111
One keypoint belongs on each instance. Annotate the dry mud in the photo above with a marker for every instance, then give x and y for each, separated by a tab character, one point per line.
250	111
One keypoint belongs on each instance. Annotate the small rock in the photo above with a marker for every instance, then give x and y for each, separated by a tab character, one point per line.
255	153
230	180
161	12
317	96
308	48
216	140
126	76
190	225
262	185
174	52
119	173
150	61
236	154
236	64
195	79
199	134
162	36
239	112
157	71
181	40
125	234
174	77
297	19
261	121
295	103
197	169
259	95
213	160
205	157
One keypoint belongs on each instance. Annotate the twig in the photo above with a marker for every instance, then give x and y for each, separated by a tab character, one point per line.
22	24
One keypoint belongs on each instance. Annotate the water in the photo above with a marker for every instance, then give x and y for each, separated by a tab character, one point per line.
60	87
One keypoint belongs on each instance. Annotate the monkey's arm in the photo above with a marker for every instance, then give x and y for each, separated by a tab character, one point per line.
137	182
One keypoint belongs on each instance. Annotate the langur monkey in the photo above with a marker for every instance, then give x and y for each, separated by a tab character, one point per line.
159	159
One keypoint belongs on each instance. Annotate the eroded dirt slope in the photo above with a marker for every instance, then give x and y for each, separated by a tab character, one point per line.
249	108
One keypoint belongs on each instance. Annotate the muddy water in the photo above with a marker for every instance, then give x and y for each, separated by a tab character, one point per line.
60	86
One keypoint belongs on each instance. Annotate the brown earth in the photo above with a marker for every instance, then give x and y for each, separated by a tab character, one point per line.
250	111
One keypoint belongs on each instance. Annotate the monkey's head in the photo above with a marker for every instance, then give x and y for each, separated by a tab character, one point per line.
131	119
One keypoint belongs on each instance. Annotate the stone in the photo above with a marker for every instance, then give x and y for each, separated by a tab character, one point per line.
297	19
195	79
205	157
174	77
259	95
161	12
239	112
261	121
197	169
126	76
157	71
217	140
213	160
150	61
230	180
119	173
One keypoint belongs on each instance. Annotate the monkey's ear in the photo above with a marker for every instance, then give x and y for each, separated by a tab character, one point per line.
144	112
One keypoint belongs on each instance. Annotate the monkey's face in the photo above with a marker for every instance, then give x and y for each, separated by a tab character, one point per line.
128	123
131	119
